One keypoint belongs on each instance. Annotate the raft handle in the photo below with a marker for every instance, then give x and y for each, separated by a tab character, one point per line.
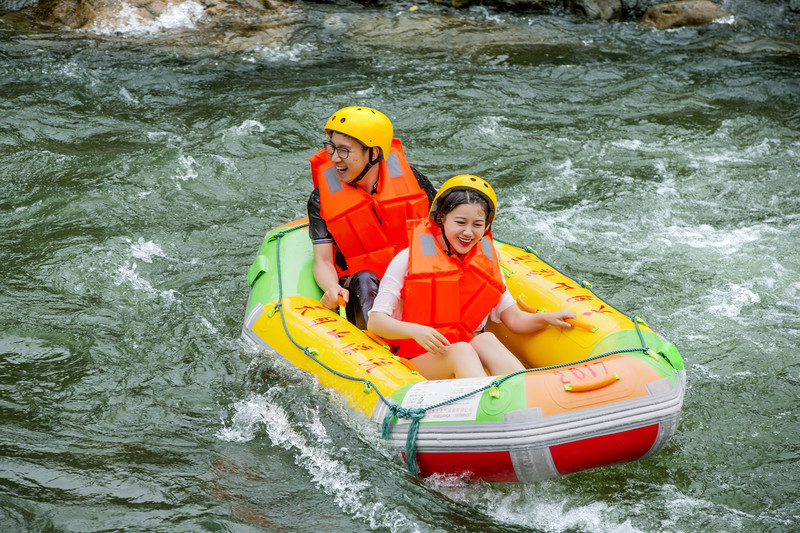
258	267
583	387
407	363
377	338
583	325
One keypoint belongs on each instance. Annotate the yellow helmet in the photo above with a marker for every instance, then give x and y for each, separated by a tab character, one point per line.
469	182
368	126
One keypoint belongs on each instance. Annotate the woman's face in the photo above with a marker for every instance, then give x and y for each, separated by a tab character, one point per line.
348	169
464	226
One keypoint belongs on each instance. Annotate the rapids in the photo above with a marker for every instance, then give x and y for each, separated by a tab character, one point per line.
140	168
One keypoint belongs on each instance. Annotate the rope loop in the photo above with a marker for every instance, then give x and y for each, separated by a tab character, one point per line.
415	414
397	410
284	232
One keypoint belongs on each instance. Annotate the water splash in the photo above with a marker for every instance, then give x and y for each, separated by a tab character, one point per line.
315	452
248	416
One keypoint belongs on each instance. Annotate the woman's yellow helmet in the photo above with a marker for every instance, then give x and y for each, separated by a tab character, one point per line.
369	126
471	183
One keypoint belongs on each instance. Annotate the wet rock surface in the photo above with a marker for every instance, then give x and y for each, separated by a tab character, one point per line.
83	14
683	13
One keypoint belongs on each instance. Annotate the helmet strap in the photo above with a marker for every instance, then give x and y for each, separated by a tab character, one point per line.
449	250
438	220
371	163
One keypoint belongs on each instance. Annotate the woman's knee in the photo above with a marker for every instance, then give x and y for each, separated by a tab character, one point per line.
462	348
485	339
465	361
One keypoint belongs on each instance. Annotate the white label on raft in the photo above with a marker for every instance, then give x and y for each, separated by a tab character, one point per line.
427	393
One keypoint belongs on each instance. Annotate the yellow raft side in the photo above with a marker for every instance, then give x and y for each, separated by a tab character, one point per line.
339	345
544	287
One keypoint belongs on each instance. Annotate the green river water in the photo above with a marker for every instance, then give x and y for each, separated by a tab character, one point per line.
141	168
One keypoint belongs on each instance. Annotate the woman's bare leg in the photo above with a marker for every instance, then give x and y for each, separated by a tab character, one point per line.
492	353
460	360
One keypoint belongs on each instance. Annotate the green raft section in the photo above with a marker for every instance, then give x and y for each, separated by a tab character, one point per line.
296	261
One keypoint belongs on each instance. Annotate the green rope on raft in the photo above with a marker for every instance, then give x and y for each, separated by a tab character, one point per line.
415	414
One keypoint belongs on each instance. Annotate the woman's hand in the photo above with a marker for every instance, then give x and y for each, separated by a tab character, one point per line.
331	297
430	339
557	318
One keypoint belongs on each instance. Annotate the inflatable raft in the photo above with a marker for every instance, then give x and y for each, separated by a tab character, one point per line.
606	391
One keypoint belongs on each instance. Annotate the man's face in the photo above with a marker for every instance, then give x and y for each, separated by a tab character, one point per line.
357	156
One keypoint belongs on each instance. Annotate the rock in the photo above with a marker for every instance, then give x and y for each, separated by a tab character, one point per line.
682	13
77	14
597	9
634	9
72	13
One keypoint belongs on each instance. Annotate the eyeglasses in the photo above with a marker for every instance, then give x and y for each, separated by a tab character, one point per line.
331	148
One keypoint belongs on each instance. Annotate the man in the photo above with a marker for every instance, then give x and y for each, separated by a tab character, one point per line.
364	192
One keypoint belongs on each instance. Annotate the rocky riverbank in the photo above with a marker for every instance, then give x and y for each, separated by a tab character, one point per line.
99	15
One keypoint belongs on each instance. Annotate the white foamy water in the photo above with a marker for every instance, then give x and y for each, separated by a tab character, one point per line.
131	21
164	136
127	274
146	250
723	241
247	127
293	53
187	170
535	507
731	301
248	416
128	96
629	144
492	126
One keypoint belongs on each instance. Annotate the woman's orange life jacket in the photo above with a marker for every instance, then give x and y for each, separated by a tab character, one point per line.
452	294
369	229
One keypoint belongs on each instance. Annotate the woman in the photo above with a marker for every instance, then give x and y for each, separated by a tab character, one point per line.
437	294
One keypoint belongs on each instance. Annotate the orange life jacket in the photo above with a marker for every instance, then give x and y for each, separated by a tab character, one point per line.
369	229
449	293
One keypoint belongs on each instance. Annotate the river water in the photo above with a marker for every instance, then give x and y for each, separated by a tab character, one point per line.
141	166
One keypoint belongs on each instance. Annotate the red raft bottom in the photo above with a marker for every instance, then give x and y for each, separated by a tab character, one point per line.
488	466
568	457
